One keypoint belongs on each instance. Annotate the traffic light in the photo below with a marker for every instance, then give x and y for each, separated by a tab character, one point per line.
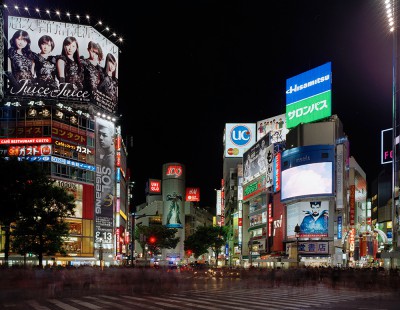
152	240
189	253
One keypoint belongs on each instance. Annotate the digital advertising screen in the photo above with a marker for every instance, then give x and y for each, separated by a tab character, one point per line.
307	171
46	59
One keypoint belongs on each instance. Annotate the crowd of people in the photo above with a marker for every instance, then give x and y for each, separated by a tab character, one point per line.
54	282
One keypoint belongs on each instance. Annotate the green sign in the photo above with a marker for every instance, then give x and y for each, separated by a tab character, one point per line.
309	110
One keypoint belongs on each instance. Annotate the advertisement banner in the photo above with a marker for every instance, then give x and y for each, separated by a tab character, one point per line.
311	216
339	176
257	159
274	126
307	171
308	96
105	181
193	194
61	61
76	190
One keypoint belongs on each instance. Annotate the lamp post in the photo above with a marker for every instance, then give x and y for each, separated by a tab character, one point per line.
297	232
391	10
101	253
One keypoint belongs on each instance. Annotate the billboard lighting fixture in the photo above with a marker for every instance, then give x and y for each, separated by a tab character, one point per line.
60	15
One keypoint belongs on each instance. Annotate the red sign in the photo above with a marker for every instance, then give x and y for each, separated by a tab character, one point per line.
154	186
352	200
29	150
174	170
277	172
192	194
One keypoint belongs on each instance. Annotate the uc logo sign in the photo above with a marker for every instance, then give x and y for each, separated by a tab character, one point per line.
240	135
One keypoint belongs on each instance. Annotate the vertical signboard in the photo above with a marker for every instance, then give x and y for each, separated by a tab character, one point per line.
387	146
308	96
339	176
277	172
352	202
173	184
104	181
339	227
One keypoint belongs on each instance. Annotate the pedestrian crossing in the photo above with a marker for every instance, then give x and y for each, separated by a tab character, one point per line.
232	298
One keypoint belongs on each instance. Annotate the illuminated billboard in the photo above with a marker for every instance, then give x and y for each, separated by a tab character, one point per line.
311	216
238	138
307	171
192	194
387	146
61	61
105	181
154	186
257	160
309	96
274	126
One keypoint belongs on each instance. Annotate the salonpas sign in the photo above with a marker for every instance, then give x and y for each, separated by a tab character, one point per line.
308	96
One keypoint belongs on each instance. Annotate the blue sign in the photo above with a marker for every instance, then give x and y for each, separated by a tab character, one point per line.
309	83
240	135
339	227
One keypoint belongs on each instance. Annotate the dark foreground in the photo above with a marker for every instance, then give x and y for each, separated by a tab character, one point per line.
125	288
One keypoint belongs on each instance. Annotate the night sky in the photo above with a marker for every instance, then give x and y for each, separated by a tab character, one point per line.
189	67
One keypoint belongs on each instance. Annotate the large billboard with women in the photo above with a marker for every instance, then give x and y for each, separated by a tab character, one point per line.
47	59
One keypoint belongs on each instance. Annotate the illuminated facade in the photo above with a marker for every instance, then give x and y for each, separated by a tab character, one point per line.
62	119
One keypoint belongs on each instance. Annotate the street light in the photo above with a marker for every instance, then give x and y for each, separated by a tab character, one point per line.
101	253
391	10
297	232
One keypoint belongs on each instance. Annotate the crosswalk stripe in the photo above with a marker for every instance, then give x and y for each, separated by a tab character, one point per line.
86	304
140	299
244	299
35	305
62	305
214	297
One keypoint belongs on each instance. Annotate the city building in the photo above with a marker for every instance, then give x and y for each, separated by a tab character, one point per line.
66	120
169	202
